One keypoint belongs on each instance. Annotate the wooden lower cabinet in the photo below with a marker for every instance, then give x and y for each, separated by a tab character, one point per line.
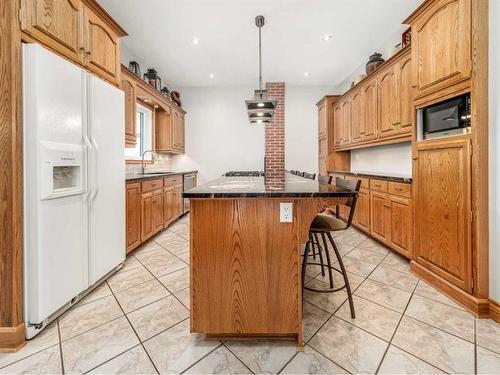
133	219
361	217
152	205
443	210
401	225
380	216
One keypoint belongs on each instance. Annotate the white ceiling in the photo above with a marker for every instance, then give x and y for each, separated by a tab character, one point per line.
161	33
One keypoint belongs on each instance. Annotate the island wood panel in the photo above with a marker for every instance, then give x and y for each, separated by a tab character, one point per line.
11	180
245	266
443	210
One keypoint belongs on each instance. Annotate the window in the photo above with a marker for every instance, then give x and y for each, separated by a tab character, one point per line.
144	135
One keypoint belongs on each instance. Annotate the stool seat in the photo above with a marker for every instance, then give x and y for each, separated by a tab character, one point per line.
328	223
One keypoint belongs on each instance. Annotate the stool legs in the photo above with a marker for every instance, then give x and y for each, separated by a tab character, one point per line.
304	262
330	273
344	273
318	246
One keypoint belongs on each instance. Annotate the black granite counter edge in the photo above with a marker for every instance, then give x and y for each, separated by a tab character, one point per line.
406	180
268	194
131	178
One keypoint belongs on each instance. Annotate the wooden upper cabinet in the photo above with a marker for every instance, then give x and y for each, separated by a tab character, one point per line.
369	111
406	95
178	131
102	47
441	44
322	119
79	30
388	103
443	210
345	128
337	123
128	87
56	23
357	119
163	129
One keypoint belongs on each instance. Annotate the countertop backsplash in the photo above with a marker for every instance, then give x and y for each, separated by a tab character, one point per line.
161	163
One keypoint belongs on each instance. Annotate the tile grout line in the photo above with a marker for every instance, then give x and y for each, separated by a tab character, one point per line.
396	330
239	359
60	345
202	358
475	345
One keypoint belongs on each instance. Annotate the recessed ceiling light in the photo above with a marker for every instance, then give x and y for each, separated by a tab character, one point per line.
306	74
196	40
212	75
327	37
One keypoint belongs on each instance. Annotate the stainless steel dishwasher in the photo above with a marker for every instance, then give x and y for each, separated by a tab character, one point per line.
189	182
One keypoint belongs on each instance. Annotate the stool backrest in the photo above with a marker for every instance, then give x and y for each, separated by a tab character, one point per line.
324	179
301	174
309	175
352	185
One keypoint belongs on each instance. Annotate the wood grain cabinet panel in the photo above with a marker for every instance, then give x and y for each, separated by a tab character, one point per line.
441	44
406	96
128	87
322	119
157	211
345	127
443	210
361	216
147	226
338	118
133	219
380	216
357	119
168	205
388	103
102	52
369	111
57	23
401	225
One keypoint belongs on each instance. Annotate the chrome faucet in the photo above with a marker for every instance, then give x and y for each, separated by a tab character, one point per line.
144	165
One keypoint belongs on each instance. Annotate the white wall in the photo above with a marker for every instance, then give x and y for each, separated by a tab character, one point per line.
494	149
301	126
390	159
218	135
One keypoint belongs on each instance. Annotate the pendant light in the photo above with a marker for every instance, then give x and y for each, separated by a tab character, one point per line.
261	107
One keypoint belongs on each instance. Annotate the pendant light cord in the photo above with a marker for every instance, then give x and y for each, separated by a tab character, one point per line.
260	60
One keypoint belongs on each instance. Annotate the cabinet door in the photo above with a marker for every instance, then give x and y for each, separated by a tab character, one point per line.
370	114
157	210
147	223
401	228
380	215
388	101
443	210
56	23
164	130
337	124
179	200
345	129
406	96
168	213
362	211
133	219
356	116
441	45
128	87
102	47
181	133
322	119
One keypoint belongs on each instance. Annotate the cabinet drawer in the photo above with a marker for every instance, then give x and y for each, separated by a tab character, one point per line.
398	188
151	185
378	185
173	180
365	182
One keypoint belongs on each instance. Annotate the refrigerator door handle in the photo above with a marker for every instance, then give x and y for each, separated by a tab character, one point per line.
95	166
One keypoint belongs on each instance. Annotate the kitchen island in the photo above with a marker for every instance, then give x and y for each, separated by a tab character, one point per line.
245	265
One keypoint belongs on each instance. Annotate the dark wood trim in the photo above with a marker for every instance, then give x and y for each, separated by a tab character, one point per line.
11	179
494	310
477	306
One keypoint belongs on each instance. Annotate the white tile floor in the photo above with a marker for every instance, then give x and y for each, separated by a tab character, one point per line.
137	322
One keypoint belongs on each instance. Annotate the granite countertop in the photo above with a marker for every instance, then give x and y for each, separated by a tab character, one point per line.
150	176
392	177
252	187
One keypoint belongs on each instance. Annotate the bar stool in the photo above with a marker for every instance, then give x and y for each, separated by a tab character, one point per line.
310	176
322	225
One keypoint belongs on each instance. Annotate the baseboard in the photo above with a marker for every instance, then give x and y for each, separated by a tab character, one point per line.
480	307
495	310
12	338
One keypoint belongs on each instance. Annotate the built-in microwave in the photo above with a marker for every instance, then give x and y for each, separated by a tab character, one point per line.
447	118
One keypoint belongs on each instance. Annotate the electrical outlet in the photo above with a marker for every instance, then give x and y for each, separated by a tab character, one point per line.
286	212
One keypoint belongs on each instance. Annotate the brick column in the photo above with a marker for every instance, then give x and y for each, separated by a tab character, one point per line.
275	138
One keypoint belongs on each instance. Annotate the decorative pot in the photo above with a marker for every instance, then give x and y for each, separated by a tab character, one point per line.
374	62
176	97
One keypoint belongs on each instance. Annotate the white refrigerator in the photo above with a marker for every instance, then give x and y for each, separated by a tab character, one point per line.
74	184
